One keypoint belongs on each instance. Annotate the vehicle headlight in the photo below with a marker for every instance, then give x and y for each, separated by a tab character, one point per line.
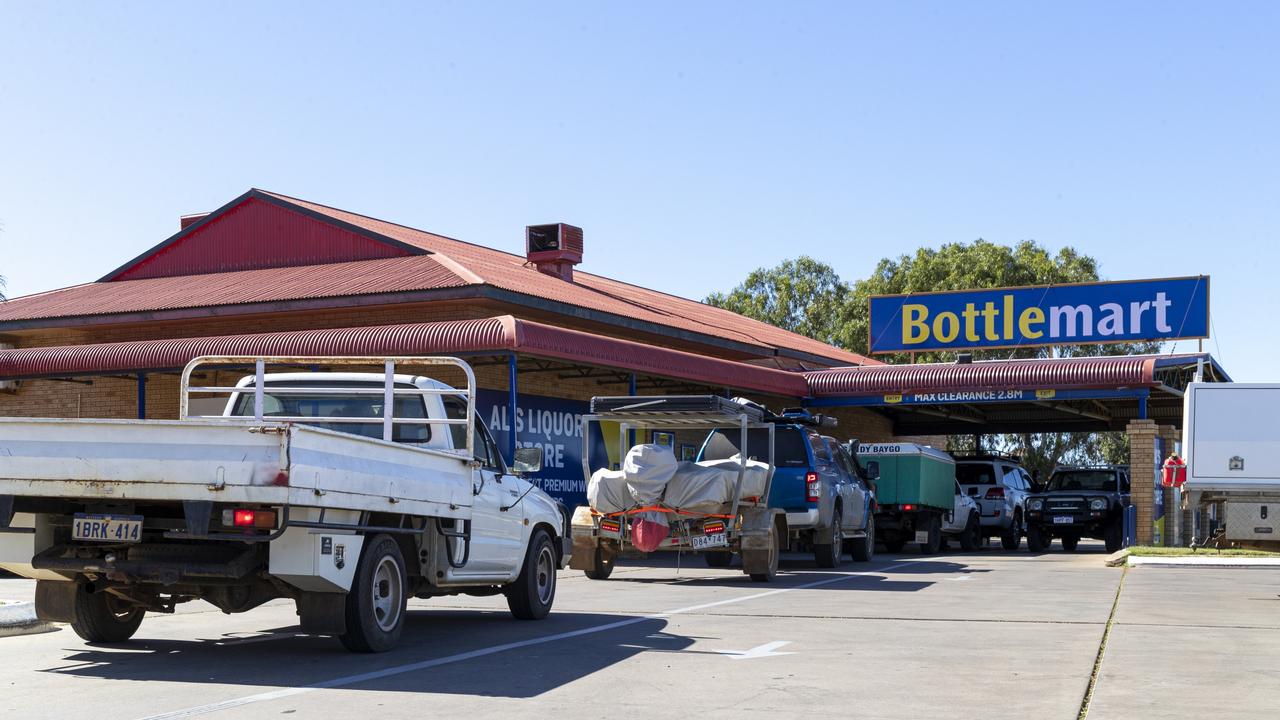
1037	504
1098	504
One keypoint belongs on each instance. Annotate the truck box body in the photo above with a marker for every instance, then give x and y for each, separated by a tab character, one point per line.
912	474
1231	438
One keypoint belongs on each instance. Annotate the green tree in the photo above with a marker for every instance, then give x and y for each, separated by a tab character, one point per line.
802	295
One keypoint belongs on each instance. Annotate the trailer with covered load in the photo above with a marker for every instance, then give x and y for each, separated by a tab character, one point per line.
654	503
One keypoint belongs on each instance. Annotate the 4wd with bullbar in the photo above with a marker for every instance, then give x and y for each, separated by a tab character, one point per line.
1079	502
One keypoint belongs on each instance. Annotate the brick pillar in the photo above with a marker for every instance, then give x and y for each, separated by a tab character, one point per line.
1142	474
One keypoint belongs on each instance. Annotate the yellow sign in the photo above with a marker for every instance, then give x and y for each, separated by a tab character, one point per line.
1045	394
893	399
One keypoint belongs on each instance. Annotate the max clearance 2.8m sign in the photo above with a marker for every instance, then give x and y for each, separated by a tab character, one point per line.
1106	312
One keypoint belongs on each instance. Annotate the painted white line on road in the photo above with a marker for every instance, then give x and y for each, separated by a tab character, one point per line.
491	650
759	651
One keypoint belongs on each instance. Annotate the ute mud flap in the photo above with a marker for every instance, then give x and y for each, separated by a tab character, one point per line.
56	601
321	613
756	538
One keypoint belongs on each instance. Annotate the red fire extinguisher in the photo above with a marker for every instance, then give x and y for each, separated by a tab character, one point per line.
1174	471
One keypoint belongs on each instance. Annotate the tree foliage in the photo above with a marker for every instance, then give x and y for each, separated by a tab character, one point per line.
803	295
807	296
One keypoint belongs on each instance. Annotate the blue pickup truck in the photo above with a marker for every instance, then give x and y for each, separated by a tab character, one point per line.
826	494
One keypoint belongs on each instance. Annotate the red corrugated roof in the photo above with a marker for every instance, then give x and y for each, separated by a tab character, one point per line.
498	334
451	263
1049	373
421	272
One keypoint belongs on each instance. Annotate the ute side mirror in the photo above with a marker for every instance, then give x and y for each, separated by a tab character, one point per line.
872	470
527	460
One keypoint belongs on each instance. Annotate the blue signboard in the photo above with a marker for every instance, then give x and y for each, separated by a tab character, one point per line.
1109	312
553	424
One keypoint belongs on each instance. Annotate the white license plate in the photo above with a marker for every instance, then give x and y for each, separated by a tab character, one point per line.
922	536
702	542
1063	519
107	528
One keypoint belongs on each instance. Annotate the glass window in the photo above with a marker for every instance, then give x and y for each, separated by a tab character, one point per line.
975	474
788	446
340	406
1083	480
1010	476
821	452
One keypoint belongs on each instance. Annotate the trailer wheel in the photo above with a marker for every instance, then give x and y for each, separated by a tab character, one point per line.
864	548
775	550
894	543
828	555
531	595
601	565
969	540
101	617
377	600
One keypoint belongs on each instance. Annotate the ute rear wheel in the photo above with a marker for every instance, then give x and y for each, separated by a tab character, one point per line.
531	595
101	617
828	555
864	548
377	602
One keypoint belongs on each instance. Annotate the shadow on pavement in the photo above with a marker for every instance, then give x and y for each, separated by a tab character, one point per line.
284	657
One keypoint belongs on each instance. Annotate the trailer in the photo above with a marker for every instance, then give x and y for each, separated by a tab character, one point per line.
345	492
743	526
1231	444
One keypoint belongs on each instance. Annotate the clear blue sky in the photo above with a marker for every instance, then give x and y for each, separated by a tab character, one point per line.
693	141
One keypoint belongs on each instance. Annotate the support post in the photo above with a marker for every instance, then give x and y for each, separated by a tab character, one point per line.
631	434
1142	476
513	390
142	396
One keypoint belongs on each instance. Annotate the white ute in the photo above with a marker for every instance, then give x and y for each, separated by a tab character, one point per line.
345	492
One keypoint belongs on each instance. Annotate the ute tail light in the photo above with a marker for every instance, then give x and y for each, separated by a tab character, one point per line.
249	518
811	487
995	492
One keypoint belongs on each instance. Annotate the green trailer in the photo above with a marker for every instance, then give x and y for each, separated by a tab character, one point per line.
917	498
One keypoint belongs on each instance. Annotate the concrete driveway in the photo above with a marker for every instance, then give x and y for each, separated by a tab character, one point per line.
987	634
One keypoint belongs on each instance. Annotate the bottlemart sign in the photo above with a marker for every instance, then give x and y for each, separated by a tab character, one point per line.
1107	312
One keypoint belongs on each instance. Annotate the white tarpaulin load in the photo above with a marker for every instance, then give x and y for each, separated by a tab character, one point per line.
650	474
607	491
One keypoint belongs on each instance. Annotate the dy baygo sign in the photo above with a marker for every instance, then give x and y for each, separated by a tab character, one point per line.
1105	312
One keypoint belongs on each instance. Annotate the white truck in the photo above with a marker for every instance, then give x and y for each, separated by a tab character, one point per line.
347	492
1232	449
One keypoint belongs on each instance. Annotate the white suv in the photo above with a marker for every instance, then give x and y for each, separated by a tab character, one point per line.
1000	486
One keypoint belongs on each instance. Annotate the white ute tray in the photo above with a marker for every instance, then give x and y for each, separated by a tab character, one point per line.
229	461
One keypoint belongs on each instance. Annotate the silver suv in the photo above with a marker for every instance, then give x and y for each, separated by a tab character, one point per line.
1000	486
